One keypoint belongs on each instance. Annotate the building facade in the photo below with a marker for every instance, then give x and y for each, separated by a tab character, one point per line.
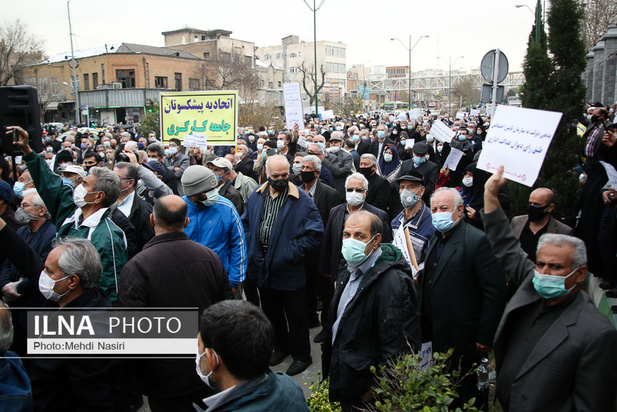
601	73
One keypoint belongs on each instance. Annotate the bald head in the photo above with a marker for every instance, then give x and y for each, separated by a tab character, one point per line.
369	222
169	214
542	196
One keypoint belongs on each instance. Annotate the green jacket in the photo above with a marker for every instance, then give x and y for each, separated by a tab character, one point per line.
107	238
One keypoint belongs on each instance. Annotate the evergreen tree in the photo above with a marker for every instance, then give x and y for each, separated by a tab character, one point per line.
554	83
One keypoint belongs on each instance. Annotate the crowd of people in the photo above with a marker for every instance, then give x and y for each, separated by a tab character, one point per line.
301	228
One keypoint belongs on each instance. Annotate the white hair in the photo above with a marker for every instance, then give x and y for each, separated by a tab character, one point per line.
313	159
370	157
578	258
458	199
358	176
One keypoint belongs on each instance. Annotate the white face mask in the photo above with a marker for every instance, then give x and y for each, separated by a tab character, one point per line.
354	199
79	196
280	144
468	181
205	378
387	157
260	146
173	150
296	168
334	149
46	286
439	148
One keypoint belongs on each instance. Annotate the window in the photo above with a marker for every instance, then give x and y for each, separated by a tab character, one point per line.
293	55
196	38
160	82
261	82
95	80
269	85
279	55
280	85
334	51
178	80
193	84
248	60
341	52
203	38
268	57
293	70
86	81
126	77
328	51
341	68
103	72
206	55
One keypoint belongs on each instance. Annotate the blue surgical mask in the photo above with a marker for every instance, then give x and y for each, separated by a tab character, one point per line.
551	286
213	196
18	188
462	137
67	181
443	221
381	134
353	251
355	137
418	160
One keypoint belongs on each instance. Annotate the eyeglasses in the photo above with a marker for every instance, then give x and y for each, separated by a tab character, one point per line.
354	189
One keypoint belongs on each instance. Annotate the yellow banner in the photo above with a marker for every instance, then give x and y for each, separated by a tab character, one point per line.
580	129
213	113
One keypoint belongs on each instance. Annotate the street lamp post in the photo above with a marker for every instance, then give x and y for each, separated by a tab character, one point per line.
75	87
314	10
409	68
450	82
538	16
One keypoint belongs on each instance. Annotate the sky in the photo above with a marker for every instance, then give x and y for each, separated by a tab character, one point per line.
455	28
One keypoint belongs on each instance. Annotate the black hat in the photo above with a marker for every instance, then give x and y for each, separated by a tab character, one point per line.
413	176
420	148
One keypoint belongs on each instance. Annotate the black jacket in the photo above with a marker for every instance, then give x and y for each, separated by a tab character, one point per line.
379	323
375	146
325	199
333	237
172	271
378	192
229	192
140	218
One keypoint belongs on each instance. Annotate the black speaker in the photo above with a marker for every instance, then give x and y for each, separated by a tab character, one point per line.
19	106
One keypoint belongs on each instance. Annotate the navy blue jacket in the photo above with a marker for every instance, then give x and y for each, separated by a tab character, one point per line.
298	230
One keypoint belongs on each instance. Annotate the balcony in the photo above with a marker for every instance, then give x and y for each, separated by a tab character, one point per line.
110	98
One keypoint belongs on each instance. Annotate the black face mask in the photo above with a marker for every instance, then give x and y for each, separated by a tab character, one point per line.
594	119
536	213
366	171
307	177
278	185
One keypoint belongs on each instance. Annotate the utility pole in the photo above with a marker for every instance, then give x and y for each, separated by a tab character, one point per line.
75	87
314	10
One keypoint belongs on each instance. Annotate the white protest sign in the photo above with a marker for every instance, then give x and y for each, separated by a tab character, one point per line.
442	132
475	112
402	116
391	117
611	173
328	114
400	242
453	159
195	140
460	115
409	143
293	105
518	139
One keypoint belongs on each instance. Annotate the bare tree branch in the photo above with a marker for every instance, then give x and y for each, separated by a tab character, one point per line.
308	77
17	48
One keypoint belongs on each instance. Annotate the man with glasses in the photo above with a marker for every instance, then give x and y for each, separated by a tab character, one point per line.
316	150
356	188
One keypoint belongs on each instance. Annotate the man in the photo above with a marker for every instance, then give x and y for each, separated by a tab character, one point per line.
463	290
419	163
538	221
38	232
416	216
92	159
594	133
242	183
156	152
551	335
23	183
325	174
331	256
378	187
285	146
68	279
72	175
339	162
83	213
132	206
325	198
176	162
172	271
244	162
283	226
222	169
378	144
373	317
350	147
235	344
215	223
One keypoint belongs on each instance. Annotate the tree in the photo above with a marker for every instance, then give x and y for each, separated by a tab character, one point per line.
347	106
151	120
596	17
468	91
553	82
258	108
308	80
226	71
17	48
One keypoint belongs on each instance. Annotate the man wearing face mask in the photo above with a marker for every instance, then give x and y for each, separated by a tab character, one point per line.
339	162
463	290
22	184
172	271
222	169
373	316
551	335
593	134
38	232
538	221
67	279
235	342
215	223
176	162
378	144
420	163
378	194
83	212
283	226
416	216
